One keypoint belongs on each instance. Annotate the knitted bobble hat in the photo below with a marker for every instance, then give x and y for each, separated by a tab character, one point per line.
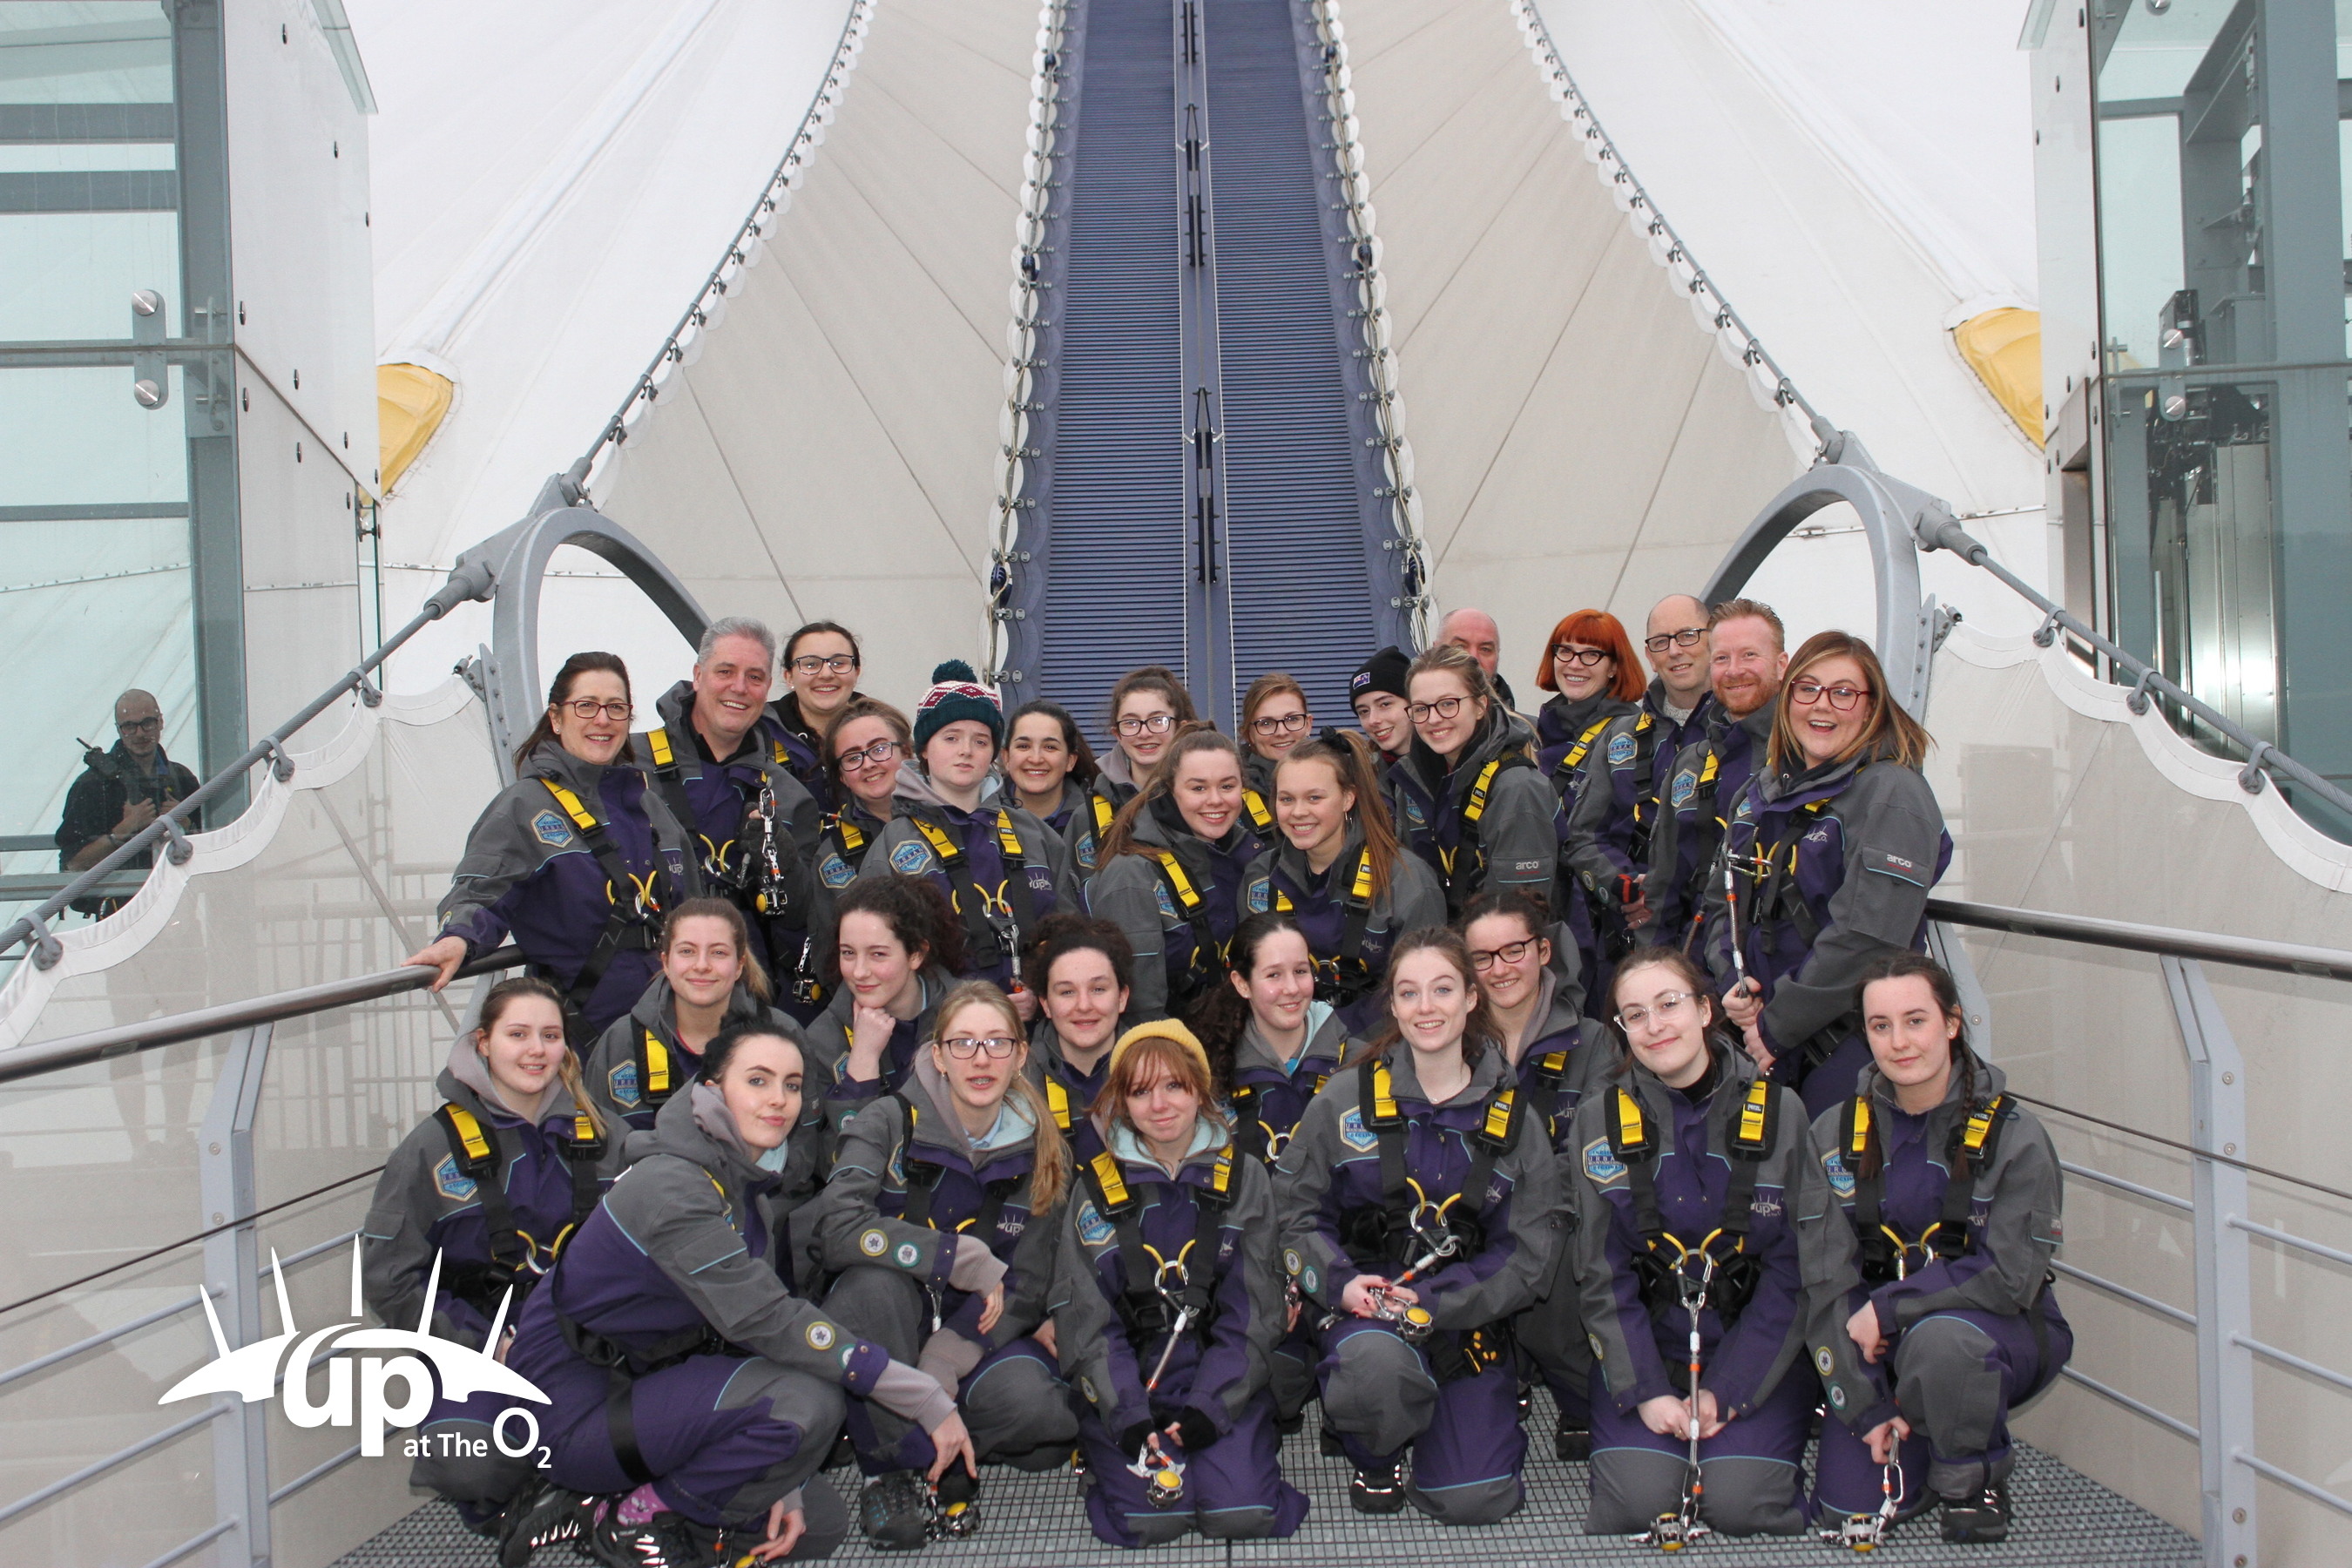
956	694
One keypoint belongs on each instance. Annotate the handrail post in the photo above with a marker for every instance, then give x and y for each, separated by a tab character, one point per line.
226	1178
2225	1368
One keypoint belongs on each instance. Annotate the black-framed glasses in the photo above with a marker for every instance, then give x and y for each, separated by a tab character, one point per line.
819	664
588	707
1669	1007
133	726
1443	708
877	753
964	1047
1484	958
1842	698
1158	723
1687	637
1282	723
1564	653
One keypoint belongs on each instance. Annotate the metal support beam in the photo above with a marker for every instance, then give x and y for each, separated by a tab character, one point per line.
2225	1367
225	1179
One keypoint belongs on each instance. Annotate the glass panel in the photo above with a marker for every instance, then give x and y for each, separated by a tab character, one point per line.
88	192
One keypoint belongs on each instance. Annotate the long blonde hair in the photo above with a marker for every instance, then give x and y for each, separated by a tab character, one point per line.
505	993
1049	1170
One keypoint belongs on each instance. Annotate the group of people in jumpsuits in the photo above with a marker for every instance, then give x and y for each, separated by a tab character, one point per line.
902	1095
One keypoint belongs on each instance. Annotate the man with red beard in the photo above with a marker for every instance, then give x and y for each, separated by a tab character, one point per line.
1749	654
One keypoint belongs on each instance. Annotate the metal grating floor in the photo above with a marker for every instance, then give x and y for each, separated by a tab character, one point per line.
1035	1522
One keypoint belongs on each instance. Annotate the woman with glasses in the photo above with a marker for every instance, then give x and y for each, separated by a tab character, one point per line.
1690	1179
709	981
820	670
1526	966
1339	871
490	1184
941	1222
1000	871
1147	707
1419	1213
1933	1314
1275	721
1082	972
1829	853
866	744
1172	869
1169	1303
575	860
897	947
1048	764
1591	732
1467	797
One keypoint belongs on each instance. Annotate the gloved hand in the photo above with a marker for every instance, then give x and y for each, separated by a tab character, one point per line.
1194	1429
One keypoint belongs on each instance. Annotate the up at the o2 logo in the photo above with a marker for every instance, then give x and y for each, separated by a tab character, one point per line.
252	1373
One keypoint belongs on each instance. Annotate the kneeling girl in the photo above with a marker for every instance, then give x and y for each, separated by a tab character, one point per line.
1167	1303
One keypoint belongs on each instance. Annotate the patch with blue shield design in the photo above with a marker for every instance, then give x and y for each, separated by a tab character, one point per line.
1092	1229
623	1083
1601	1164
910	858
1620	749
1260	896
1841	1179
834	873
1685	786
551	829
1355	1135
1167	901
449	1182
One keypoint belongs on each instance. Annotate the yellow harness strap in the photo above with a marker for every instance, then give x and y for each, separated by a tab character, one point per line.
1980	1127
1574	755
581	817
1632	1130
1363	891
1752	1115
1057	1101
853	838
1006	839
1282	904
1384	1105
470	1132
1477	806
1104	812
1498	1115
1861	1140
938	842
1183	885
1220	1180
1254	803
657	1064
1113	1184
657	742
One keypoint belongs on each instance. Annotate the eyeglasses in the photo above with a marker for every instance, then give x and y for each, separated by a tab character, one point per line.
835	664
130	726
964	1047
588	707
1484	958
1842	698
1281	723
1562	653
1158	723
1687	637
1668	1007
1443	708
877	754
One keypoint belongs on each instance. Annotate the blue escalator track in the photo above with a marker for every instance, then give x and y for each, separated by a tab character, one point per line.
1207	492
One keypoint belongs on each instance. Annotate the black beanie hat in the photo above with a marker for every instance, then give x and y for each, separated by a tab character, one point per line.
1384	672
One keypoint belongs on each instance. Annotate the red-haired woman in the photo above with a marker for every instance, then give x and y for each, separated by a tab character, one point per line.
1593	726
1168	1306
1832	847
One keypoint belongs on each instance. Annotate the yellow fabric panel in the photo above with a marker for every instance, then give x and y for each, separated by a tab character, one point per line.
2004	348
410	403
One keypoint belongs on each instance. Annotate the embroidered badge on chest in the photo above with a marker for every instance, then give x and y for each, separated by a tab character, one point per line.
1167	904
910	858
1261	896
449	1183
1092	1229
1841	1179
1355	1135
623	1083
551	829
1685	786
835	872
1601	1164
1620	751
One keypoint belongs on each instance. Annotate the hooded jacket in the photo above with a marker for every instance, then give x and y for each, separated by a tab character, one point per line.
806	742
1040	886
1853	848
1278	879
857	1222
1216	1368
829	1042
718	796
1692	1173
1701	784
618	1067
1612	820
1332	1168
2015	1228
691	1236
424	1202
1270	1095
1113	787
1549	1056
1518	836
528	871
1132	891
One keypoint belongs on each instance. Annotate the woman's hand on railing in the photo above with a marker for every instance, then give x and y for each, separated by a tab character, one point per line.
446	955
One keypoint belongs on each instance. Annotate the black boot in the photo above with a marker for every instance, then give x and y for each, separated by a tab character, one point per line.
1377	1489
894	1511
1327	1444
661	1542
1981	1515
1571	1442
541	1517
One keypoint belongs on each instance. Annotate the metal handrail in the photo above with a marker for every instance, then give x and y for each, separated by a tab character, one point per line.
473	578
2246	952
739	250
1937	529
97	1045
1825	430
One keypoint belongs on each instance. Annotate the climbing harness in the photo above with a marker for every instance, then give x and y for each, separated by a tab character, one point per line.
1676	1531
518	1259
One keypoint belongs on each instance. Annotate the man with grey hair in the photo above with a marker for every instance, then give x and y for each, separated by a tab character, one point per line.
1475	633
719	762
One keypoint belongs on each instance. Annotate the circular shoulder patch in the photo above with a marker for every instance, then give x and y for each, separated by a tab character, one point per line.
1307	1279
1290	1260
1821	1359
907	1253
874	1244
1837	1395
1599	1351
819	1335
